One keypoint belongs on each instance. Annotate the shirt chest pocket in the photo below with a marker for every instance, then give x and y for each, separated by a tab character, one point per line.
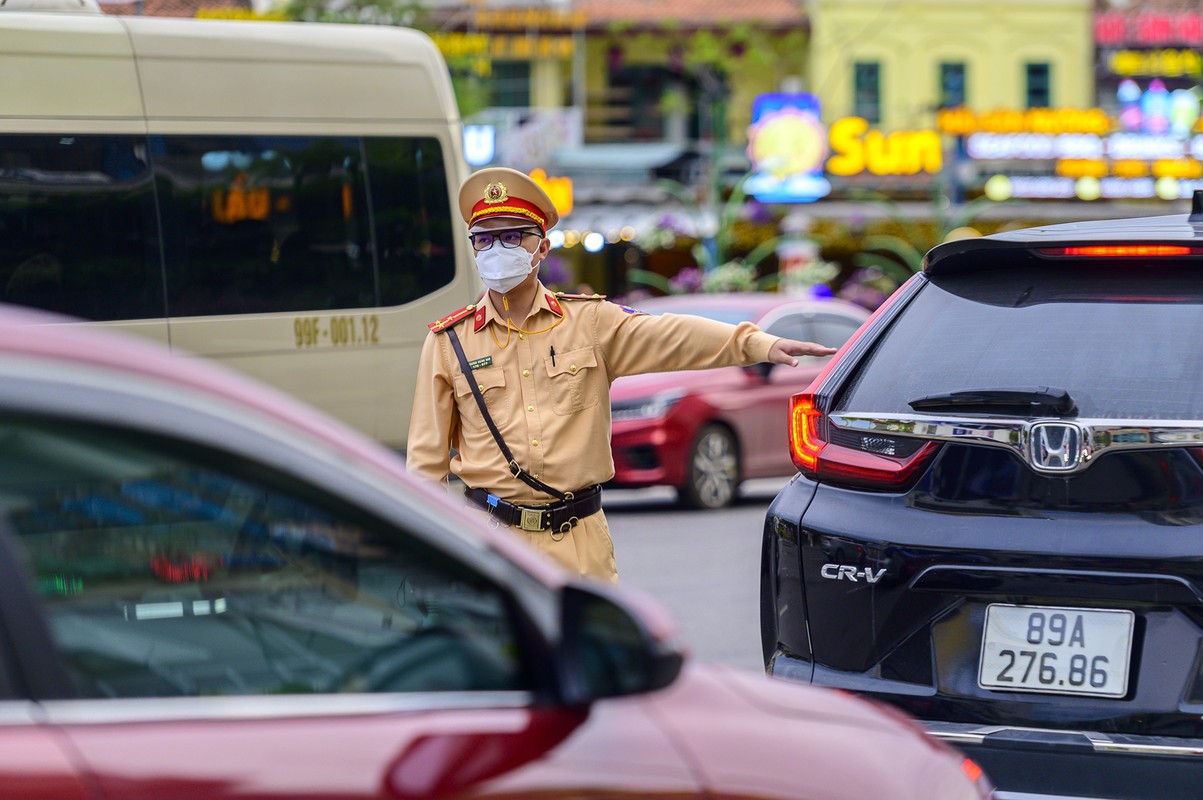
576	382
491	382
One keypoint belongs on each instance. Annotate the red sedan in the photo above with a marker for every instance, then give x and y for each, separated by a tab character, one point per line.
705	432
211	592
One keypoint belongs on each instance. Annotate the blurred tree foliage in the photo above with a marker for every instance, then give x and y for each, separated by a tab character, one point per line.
365	12
471	91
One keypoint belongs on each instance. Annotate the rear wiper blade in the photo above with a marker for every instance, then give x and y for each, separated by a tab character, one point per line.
1039	401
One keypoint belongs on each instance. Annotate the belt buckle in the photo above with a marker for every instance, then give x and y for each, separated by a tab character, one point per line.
532	519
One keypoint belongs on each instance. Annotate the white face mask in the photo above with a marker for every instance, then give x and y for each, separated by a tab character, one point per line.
503	268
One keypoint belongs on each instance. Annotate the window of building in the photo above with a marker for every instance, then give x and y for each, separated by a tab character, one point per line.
866	101
1039	84
952	84
509	84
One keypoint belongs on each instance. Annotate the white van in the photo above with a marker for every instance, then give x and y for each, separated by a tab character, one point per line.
276	196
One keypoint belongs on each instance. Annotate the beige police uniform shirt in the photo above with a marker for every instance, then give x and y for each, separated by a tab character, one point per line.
549	395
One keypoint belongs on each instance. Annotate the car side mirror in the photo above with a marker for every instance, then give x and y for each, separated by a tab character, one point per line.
609	649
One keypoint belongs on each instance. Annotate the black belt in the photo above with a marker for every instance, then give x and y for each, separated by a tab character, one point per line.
559	517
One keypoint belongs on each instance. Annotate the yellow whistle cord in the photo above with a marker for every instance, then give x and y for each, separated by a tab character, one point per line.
509	326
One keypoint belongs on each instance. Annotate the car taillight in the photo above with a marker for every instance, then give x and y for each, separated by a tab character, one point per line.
1122	250
872	460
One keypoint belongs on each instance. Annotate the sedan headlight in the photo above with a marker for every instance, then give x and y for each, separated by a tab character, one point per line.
645	408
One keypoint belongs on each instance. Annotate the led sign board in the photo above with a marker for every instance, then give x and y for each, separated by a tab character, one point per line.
963	121
856	149
480	144
530	19
1161	63
503	47
1049	187
1148	28
559	190
786	145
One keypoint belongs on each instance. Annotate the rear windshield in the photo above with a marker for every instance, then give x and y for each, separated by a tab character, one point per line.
1125	340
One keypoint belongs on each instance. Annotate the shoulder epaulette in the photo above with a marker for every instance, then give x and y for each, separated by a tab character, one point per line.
566	296
440	325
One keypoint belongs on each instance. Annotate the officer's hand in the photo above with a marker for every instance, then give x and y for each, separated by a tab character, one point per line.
784	351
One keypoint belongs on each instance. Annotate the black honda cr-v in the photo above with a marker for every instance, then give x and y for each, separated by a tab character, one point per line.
997	523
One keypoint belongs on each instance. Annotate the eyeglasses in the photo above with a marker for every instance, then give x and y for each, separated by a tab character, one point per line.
509	238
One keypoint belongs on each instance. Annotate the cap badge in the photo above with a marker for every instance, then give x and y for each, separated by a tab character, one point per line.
496	193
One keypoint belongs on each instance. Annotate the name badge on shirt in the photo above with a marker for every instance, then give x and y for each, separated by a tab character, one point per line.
479	363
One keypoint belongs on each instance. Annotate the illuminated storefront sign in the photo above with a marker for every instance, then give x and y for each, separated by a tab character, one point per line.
480	144
558	189
1118	146
1163	63
856	149
1148	150
514	34
787	145
963	121
1148	28
529	19
504	46
1050	187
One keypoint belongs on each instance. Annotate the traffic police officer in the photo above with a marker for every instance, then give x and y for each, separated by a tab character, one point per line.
539	366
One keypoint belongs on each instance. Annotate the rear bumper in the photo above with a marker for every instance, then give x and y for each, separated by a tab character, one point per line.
1039	763
1030	763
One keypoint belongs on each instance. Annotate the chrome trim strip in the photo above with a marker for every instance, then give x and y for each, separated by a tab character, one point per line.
1000	794
99	712
1105	744
19	712
1097	435
1100	742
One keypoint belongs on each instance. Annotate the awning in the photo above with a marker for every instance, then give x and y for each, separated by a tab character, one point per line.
636	156
611	165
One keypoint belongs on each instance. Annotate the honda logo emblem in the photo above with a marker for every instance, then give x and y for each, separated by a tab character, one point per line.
1056	447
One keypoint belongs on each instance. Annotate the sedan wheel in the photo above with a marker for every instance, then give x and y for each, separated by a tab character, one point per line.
713	477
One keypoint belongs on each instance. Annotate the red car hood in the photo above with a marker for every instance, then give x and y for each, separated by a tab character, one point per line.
814	729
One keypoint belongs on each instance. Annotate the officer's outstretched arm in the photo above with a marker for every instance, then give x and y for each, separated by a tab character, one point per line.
785	351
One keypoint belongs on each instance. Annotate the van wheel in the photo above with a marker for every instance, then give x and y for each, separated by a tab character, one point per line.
712	480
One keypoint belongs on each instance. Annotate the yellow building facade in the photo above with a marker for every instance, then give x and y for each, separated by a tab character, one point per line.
746	62
1006	54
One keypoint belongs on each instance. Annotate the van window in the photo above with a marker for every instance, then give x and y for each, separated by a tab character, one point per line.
257	224
249	224
411	209
77	226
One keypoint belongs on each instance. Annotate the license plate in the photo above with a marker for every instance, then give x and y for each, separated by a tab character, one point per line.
1080	651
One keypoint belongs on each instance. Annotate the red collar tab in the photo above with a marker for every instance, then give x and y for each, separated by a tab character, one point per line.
478	321
440	325
554	305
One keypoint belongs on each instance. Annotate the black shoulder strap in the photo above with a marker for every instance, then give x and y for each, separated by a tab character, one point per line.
517	471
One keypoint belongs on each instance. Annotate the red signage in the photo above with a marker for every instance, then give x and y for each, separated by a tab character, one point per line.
1148	29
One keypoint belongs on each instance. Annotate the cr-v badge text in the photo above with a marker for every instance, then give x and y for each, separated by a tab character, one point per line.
843	572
